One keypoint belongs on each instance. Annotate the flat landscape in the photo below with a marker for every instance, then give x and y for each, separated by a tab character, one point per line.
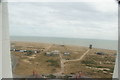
62	60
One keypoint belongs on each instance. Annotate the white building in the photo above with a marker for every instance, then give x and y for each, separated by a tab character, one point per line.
55	52
66	53
48	53
22	51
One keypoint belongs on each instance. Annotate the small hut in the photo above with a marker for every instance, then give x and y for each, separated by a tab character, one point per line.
100	53
66	54
55	52
90	46
48	54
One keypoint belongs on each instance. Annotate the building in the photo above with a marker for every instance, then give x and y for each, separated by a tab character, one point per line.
66	53
12	49
48	53
22	50
100	53
90	46
52	53
55	52
36	51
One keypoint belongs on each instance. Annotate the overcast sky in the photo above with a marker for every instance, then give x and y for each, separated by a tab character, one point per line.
65	19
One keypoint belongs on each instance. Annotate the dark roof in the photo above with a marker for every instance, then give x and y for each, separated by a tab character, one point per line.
100	53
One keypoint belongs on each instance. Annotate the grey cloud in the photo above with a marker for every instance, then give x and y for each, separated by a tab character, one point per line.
59	19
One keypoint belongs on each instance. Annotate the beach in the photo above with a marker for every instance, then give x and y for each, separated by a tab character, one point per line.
97	43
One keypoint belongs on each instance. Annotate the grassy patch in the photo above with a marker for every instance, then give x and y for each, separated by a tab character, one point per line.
51	76
86	62
54	63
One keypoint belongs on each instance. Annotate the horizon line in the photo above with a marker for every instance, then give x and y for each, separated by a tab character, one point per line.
61	37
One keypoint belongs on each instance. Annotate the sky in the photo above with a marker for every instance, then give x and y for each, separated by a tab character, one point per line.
93	20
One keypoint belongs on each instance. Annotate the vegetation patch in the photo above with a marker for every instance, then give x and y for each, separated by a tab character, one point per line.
86	62
51	76
54	63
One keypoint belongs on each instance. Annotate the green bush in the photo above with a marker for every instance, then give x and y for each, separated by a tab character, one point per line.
100	67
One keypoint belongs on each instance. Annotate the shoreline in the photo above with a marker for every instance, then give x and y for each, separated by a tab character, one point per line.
97	43
63	44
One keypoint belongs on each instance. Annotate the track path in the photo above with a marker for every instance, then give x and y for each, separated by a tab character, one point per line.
64	61
84	54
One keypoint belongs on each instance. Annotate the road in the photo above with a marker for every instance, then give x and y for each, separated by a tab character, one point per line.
49	47
84	54
64	61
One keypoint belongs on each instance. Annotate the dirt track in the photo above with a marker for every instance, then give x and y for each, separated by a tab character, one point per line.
64	61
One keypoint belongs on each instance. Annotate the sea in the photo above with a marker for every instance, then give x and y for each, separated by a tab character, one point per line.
97	43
